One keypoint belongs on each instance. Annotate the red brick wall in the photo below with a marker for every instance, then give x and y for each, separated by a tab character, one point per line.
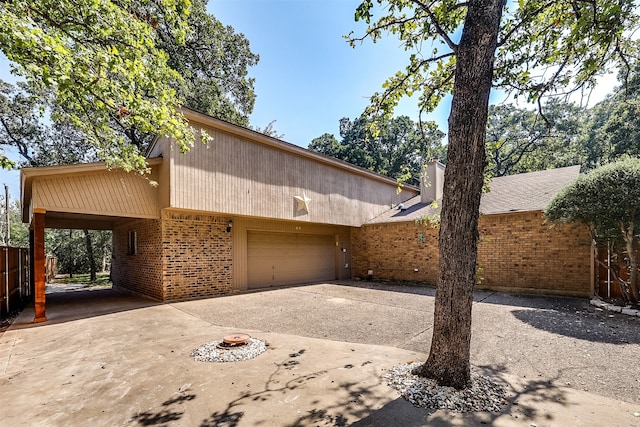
141	272
197	257
517	253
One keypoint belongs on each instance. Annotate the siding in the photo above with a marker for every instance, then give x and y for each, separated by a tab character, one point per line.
114	193
238	176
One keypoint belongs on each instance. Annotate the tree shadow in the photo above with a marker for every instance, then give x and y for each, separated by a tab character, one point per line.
362	404
322	414
520	406
167	413
582	325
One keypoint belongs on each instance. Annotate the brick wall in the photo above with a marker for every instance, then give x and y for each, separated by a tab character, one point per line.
140	272
517	253
197	256
393	251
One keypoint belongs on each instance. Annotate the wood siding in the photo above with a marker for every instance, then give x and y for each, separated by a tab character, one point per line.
238	176
114	193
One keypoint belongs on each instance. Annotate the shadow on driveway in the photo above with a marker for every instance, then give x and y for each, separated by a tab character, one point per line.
582	326
70	306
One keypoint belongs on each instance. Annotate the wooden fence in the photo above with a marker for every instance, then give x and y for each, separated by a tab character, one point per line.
606	284
15	288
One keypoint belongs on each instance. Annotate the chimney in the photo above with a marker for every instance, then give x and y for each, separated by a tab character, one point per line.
431	181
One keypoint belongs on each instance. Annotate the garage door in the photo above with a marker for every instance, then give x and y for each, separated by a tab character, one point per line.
283	259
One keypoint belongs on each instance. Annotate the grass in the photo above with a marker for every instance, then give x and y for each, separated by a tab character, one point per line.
102	279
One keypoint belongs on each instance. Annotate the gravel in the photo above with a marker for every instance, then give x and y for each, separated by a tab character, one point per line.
483	395
211	353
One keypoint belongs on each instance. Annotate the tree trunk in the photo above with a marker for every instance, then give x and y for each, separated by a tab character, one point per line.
448	361
92	260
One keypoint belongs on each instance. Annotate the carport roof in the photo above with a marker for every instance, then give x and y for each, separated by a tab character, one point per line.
87	193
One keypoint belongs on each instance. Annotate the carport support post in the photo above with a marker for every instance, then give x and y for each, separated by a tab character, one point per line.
37	228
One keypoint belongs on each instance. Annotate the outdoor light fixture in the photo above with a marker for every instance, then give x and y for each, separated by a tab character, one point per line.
229	226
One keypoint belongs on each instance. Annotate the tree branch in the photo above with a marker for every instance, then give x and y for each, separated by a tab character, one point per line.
524	21
434	20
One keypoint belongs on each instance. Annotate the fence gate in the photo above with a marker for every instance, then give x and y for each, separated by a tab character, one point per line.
606	284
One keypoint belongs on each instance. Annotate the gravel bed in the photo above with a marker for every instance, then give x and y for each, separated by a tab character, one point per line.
211	353
483	395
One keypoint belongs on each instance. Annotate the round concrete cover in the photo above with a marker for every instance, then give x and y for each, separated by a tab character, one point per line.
235	339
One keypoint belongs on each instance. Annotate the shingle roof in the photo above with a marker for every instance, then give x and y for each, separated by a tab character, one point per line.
526	191
514	193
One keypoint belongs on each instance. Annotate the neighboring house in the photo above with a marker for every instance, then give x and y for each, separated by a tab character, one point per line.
248	211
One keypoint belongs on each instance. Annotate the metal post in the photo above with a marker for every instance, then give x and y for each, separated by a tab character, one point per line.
608	269
6	212
6	278
19	251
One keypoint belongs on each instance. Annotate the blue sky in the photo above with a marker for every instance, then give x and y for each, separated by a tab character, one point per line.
308	76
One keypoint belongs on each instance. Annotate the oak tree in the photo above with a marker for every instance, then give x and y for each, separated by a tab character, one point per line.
522	140
534	48
398	148
613	125
100	61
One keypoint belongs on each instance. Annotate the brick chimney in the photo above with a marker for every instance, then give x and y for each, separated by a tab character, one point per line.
431	181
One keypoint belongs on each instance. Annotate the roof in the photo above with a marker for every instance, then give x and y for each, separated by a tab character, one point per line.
514	193
526	191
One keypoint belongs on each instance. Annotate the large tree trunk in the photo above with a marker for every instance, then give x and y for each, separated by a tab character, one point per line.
92	260
448	361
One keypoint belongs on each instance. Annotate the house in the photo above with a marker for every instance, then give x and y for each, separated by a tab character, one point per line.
249	211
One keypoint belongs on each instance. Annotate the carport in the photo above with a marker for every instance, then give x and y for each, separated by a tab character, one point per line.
85	196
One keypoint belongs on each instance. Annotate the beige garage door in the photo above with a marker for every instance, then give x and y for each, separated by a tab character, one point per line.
283	259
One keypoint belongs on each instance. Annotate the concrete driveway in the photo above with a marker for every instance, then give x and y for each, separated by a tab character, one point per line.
105	358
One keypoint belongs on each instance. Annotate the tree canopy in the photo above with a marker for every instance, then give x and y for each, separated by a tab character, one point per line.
521	140
213	63
530	48
112	70
38	142
613	125
398	149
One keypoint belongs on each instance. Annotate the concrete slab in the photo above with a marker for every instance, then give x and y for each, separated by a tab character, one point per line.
100	362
